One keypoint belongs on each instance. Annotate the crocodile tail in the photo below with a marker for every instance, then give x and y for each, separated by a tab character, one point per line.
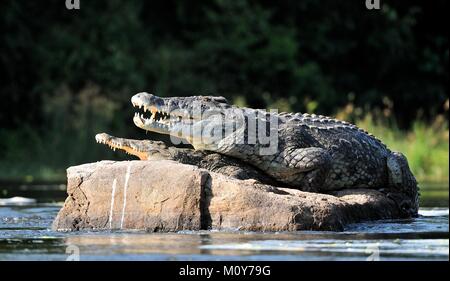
403	187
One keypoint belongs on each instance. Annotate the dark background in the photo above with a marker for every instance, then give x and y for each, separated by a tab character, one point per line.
68	74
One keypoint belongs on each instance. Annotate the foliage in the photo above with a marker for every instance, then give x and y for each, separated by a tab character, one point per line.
425	145
69	74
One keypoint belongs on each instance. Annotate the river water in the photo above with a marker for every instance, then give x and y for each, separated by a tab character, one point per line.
25	234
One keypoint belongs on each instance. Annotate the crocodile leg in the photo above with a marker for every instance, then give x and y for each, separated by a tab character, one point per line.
308	167
403	187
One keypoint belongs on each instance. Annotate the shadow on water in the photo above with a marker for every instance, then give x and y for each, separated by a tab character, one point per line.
25	234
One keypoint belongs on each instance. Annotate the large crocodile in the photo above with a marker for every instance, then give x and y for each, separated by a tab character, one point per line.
309	152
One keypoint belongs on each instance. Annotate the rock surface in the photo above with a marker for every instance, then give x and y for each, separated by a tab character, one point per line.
163	195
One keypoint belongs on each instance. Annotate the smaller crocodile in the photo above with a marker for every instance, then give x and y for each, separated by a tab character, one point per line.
214	162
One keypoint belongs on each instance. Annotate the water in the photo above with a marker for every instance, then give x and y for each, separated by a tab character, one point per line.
25	234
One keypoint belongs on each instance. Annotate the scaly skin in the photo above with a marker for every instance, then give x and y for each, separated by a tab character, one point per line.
214	162
313	153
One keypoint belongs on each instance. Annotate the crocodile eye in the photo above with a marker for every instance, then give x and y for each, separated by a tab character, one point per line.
220	100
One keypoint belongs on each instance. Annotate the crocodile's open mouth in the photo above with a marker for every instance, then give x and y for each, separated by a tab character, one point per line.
157	115
108	140
131	147
188	118
153	118
152	115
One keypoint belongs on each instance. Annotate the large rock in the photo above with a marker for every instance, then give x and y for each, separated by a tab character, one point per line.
154	195
167	196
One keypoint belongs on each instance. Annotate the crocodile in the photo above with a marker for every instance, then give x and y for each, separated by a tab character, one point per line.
214	162
309	152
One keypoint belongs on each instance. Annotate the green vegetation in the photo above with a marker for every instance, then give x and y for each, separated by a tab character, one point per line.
31	157
70	74
68	139
426	145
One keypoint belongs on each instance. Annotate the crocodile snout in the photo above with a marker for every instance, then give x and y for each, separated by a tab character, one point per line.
146	99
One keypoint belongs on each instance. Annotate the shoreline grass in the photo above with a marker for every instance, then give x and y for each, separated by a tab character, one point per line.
426	145
28	157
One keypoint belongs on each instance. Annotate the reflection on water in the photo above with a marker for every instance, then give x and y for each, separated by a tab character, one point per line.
25	235
434	194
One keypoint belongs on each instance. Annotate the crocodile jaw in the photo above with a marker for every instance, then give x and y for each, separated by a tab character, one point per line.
150	124
122	144
171	125
175	116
